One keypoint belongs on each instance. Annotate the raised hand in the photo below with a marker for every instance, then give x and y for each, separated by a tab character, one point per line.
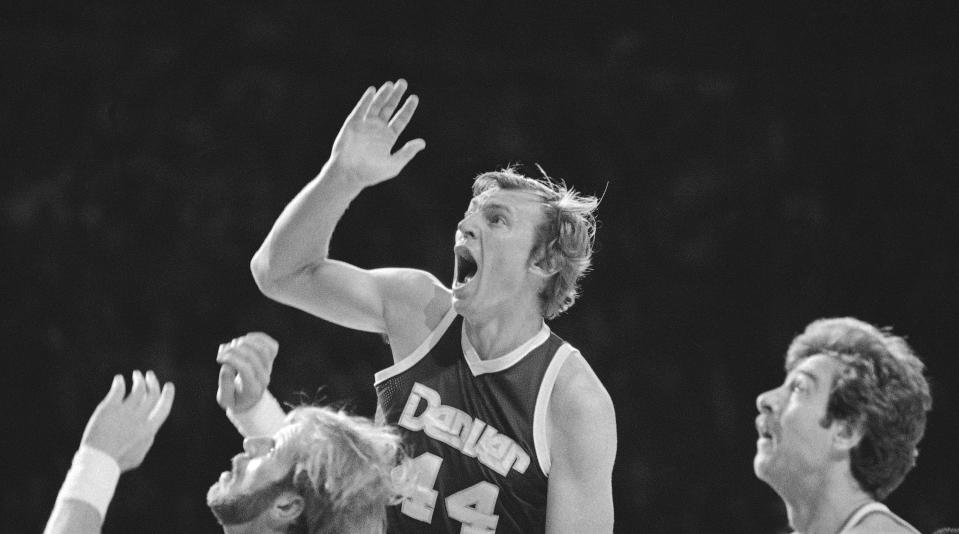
246	364
364	147
125	428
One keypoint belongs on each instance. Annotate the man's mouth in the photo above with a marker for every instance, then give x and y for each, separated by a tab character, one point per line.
763	429
234	466
466	266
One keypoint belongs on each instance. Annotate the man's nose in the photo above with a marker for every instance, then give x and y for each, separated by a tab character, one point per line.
765	401
466	227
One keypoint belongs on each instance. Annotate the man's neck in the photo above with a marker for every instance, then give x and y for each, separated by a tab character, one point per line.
500	335
824	505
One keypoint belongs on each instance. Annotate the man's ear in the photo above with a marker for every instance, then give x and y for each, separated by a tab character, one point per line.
286	508
543	266
846	435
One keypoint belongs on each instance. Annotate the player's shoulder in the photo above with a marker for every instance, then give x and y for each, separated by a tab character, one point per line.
406	288
880	522
414	303
579	396
408	280
581	421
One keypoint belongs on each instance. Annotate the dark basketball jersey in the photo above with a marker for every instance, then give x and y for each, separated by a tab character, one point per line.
475	430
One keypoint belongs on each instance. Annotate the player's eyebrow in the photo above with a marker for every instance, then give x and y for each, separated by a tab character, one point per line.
490	206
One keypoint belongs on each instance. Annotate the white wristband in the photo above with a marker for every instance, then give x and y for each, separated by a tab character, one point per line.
265	418
92	479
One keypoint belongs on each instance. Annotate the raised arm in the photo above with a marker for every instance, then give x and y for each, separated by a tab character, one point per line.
582	438
292	265
117	438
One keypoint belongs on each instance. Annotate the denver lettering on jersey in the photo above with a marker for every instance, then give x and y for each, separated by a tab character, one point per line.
458	429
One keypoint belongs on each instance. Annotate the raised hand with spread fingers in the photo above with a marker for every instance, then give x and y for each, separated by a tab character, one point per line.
364	147
116	439
124	428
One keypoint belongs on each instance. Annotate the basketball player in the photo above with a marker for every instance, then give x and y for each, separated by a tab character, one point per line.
509	428
840	434
116	439
320	471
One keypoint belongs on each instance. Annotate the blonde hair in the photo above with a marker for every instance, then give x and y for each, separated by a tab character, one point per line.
564	241
343	470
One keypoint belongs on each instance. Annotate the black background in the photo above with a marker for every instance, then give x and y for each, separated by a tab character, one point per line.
763	165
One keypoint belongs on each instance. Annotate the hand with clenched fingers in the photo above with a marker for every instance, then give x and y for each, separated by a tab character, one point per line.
245	366
363	149
124	428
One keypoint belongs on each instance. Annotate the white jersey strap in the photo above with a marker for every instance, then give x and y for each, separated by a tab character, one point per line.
420	352
874	508
541	411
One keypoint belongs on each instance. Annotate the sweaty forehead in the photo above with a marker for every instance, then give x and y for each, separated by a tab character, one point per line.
516	199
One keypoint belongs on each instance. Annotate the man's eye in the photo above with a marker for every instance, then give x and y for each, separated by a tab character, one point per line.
797	386
496	219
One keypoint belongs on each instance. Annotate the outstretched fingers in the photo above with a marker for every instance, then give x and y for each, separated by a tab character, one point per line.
380	99
151	392
117	391
396	94
409	150
137	391
359	110
403	116
162	407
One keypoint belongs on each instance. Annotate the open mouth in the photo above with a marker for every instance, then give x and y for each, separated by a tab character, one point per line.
465	266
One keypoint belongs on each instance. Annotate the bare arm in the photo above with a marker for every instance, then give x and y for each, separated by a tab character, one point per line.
582	435
74	516
293	266
117	438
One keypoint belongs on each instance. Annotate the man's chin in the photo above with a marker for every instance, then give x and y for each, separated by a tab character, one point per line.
228	509
758	467
766	469
233	508
215	493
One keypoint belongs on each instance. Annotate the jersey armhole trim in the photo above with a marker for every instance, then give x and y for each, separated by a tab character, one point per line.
431	340
541	411
875	507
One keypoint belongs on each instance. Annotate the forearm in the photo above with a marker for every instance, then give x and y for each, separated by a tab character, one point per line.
301	236
73	516
85	494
